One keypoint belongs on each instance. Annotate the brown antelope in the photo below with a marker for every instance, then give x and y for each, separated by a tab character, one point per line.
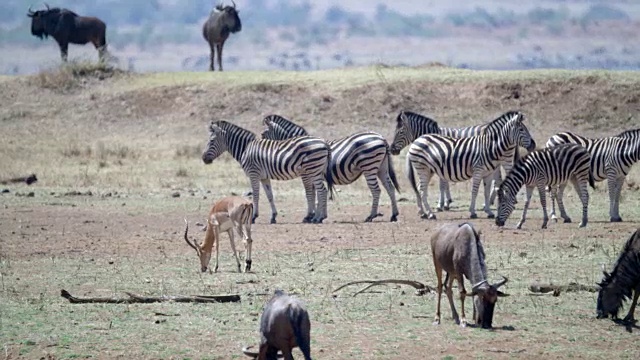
231	212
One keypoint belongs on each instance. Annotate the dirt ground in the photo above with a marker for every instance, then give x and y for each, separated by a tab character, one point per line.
135	145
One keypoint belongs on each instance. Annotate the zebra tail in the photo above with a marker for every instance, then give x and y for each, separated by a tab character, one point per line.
592	182
392	173
328	176
410	176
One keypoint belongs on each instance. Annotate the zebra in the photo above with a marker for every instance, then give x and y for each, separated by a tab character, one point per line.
611	159
550	167
457	160
476	130
262	160
360	153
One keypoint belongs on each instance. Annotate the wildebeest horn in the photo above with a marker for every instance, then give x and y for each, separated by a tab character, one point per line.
476	287
30	12
234	4
504	281
186	238
47	5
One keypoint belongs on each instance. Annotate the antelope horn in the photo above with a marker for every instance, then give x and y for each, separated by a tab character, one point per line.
504	281
186	238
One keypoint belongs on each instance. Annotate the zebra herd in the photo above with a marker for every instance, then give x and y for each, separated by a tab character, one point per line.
286	151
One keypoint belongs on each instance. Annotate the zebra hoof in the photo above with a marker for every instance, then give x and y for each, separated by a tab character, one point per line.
567	221
307	219
432	217
394	218
439	209
473	216
491	216
616	219
582	225
424	216
447	208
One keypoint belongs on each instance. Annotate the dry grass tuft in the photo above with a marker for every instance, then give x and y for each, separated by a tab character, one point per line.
73	75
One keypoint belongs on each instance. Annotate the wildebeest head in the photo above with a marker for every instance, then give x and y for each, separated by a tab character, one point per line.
43	22
485	301
229	17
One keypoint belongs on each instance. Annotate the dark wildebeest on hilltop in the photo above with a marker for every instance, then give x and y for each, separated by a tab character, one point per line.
222	21
284	324
67	27
624	280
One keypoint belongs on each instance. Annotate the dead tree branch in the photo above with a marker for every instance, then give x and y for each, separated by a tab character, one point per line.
421	288
557	289
138	299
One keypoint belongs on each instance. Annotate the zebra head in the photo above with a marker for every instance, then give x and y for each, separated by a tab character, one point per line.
403	135
514	131
506	202
216	145
273	130
524	137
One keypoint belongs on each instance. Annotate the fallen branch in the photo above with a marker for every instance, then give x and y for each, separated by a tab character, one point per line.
420	287
138	299
23	179
557	289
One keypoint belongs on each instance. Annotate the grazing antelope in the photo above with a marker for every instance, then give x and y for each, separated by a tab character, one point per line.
231	212
457	249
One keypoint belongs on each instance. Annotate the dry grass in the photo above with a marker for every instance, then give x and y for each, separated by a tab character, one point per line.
73	75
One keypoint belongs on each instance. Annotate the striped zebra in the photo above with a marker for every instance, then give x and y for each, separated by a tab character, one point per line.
550	167
457	160
262	160
611	159
476	130
352	156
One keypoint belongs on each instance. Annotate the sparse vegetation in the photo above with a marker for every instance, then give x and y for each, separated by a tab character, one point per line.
72	75
102	219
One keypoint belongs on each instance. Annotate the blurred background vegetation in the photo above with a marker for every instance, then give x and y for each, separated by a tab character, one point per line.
152	23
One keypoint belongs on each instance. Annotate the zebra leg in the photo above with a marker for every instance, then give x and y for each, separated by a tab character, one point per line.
322	192
255	194
560	195
543	202
372	183
553	194
529	193
615	199
583	192
266	184
487	180
477	178
497	180
445	196
310	194
388	186
423	187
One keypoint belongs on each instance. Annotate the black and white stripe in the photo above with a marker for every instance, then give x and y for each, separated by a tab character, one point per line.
476	130
611	160
363	153
262	160
552	167
409	127
457	160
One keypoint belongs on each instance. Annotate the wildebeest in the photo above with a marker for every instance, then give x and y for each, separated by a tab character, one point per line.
222	21
457	250
617	287
284	324
67	27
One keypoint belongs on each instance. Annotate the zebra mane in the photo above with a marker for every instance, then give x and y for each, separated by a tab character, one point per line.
282	122
233	128
494	126
629	133
624	276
